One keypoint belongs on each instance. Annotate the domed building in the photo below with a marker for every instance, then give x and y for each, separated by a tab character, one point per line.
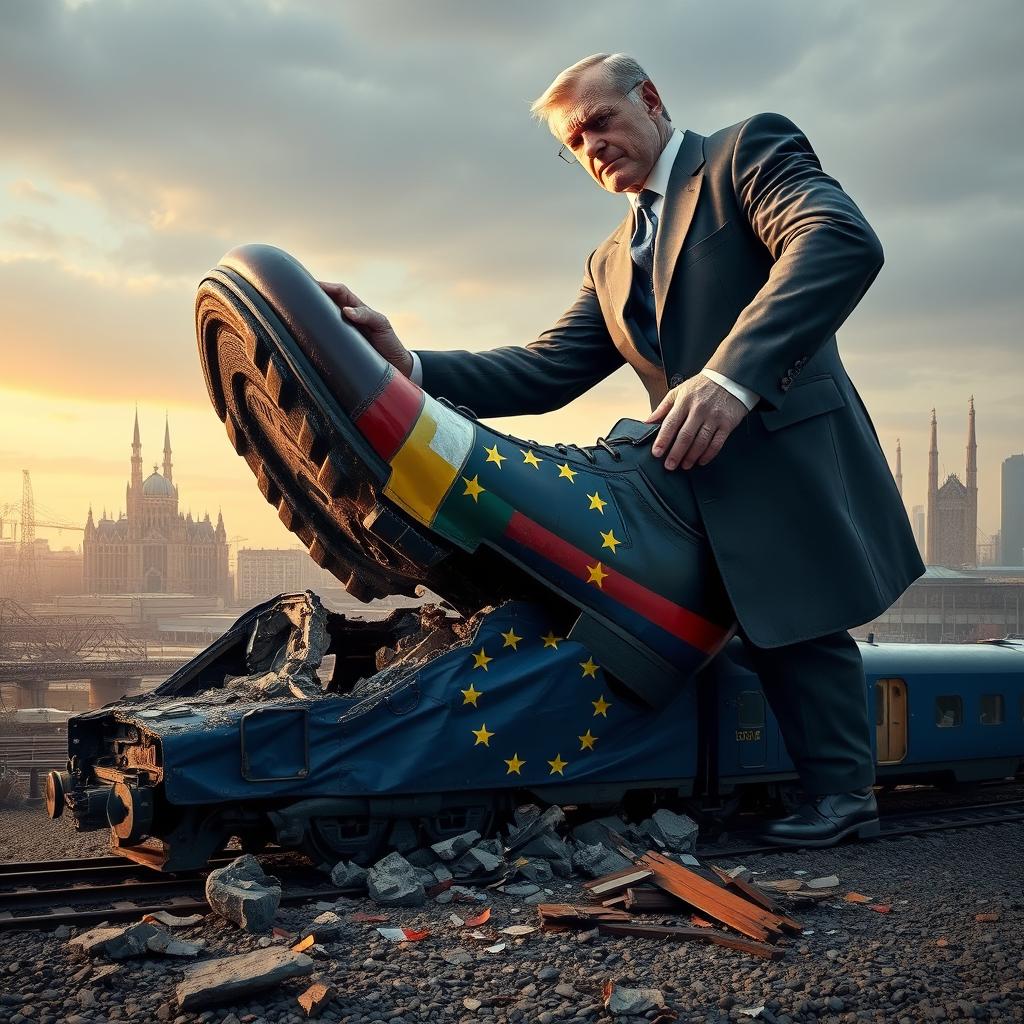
151	547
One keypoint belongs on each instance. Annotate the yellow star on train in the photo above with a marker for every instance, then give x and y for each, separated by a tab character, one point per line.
473	489
601	707
530	459
557	765
480	659
511	640
482	736
587	740
469	696
493	455
569	474
514	764
597	502
609	540
551	640
590	668
597	575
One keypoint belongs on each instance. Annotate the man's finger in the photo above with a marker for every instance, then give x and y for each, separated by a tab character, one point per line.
684	438
714	446
663	407
670	426
340	294
705	434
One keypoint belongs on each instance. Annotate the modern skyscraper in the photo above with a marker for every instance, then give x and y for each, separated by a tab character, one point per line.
1011	533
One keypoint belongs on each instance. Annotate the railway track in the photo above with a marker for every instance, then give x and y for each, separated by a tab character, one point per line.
44	894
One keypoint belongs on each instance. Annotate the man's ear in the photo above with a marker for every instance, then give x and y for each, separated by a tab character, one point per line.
651	98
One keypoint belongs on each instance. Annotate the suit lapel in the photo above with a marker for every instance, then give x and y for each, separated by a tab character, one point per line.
620	272
676	215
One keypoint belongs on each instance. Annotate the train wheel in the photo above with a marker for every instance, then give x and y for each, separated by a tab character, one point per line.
329	840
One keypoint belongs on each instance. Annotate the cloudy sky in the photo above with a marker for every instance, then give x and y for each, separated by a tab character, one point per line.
388	144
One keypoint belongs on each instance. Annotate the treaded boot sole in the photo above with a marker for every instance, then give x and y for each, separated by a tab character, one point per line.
310	463
861	830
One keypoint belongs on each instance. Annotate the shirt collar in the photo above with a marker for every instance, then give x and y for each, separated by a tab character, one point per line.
657	180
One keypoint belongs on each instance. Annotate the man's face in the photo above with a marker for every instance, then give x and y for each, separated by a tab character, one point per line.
617	140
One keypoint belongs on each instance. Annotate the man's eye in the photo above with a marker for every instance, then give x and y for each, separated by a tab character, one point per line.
601	121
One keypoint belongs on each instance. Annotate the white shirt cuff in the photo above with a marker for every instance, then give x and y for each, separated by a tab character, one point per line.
745	395
416	373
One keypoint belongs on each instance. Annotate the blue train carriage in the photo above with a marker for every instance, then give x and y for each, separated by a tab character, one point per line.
943	713
311	730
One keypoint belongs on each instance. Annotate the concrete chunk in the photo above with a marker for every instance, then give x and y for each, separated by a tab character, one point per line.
598	860
167	945
393	882
118	943
243	894
676	832
632	1002
477	863
315	999
349	876
231	978
450	849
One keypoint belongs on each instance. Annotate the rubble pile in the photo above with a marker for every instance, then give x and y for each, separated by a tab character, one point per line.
243	894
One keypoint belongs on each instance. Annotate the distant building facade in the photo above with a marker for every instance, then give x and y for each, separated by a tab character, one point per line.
953	606
1011	526
266	572
56	572
151	547
953	507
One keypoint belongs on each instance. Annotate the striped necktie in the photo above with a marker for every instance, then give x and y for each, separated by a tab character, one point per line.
641	251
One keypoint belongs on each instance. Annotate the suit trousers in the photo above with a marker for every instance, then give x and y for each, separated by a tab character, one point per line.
816	690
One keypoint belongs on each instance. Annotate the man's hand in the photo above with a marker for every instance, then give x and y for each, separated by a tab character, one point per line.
696	418
373	326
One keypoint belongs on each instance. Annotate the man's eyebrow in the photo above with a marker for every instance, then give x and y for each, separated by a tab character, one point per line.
580	122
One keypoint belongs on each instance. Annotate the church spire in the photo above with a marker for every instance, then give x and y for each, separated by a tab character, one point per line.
167	449
136	454
899	467
971	514
932	546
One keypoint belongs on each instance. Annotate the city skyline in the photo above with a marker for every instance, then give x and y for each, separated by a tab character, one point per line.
126	177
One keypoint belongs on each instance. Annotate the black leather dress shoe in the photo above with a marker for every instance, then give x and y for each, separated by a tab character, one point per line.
826	820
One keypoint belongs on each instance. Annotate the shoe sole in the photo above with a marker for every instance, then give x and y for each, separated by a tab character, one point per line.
864	830
310	463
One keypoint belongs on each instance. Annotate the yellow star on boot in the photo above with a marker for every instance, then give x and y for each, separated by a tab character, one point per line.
569	474
531	460
511	640
609	540
470	696
473	489
480	659
590	668
596	575
597	502
493	455
601	707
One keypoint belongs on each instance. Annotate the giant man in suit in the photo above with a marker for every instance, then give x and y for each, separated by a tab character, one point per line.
758	257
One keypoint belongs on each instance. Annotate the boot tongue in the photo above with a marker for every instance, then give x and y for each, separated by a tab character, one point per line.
632	430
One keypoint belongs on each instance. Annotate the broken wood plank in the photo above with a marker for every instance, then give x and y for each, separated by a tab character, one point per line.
682	934
762	899
616	882
652	901
567	914
712	899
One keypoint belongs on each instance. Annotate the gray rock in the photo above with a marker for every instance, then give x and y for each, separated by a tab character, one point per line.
676	832
477	863
230	979
495	847
349	876
118	943
533	827
520	889
634	1001
404	837
167	945
597	831
548	847
449	849
598	860
537	871
393	882
243	894
442	874
422	858
548	974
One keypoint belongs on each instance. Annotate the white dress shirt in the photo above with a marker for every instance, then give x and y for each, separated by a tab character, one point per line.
657	181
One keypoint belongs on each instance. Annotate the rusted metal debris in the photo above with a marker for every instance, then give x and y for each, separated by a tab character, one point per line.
677	933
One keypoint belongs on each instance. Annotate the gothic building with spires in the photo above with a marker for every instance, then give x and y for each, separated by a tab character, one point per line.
953	507
151	547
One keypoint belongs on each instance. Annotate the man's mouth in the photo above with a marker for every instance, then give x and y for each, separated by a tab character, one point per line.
606	168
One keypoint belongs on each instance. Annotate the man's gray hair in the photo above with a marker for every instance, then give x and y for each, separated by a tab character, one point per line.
622	72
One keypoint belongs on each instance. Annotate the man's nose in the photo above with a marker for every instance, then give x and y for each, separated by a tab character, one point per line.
593	143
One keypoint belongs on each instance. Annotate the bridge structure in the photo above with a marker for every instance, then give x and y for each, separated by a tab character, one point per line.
36	650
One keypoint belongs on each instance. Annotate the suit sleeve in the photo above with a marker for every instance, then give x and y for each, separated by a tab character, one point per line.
824	251
564	362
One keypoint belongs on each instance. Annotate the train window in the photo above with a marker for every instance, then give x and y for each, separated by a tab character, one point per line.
949	712
879	704
991	709
751	710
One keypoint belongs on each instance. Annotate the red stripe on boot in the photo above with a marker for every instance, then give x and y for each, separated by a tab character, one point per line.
673	618
387	421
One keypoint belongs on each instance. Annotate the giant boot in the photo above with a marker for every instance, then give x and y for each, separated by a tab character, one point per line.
390	488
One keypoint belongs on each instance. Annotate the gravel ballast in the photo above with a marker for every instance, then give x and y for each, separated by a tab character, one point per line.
951	949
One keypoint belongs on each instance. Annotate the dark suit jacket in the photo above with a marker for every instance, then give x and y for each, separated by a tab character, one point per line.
759	257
